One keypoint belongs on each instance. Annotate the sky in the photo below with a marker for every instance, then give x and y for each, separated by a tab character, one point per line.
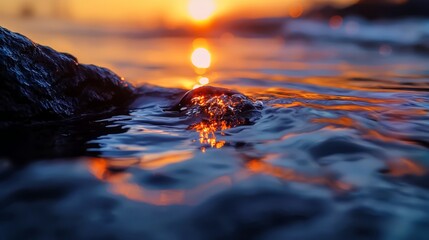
149	12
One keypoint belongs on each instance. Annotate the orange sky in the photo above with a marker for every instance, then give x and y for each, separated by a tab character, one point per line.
154	11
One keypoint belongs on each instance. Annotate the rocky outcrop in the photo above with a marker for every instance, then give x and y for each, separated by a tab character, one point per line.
38	83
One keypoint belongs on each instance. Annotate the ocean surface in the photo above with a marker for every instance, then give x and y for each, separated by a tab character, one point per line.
337	150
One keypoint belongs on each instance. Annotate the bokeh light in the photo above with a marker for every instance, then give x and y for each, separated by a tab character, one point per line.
203	80
201	58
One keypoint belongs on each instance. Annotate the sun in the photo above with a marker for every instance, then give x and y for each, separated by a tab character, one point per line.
201	10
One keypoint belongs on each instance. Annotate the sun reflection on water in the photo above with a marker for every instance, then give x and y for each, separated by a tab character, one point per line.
201	59
203	80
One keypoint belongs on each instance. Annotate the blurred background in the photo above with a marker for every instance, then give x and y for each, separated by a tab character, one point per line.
154	14
153	41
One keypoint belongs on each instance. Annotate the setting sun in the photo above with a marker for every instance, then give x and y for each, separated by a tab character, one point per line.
201	10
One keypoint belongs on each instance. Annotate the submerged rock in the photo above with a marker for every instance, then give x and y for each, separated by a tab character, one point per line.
39	83
220	107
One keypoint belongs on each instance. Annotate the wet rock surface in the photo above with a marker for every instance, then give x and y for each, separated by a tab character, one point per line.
39	83
226	107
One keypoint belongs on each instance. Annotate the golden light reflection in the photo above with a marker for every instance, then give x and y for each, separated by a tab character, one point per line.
121	183
201	58
207	131
260	166
300	94
345	107
366	133
404	167
342	121
155	160
369	105
203	80
201	10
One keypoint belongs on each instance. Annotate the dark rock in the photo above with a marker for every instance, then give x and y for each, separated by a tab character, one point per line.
38	84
